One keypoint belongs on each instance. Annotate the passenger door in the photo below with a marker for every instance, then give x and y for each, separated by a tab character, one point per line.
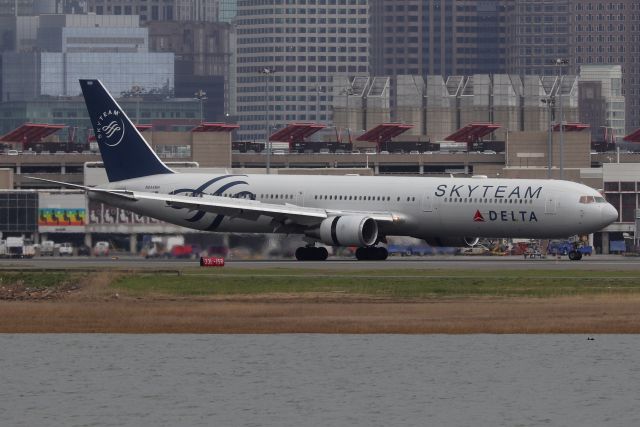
551	205
427	203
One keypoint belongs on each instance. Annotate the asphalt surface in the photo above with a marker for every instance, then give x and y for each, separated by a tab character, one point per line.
596	262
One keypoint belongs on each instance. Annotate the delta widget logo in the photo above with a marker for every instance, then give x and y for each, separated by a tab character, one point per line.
478	217
110	128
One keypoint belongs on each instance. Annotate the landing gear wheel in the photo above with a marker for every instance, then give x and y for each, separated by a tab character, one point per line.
322	254
311	254
372	254
575	256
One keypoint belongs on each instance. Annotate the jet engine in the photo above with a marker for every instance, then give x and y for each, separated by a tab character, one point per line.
452	242
350	230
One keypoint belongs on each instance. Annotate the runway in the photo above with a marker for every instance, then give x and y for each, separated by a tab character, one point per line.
596	262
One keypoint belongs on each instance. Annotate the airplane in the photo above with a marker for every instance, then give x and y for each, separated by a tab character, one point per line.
360	211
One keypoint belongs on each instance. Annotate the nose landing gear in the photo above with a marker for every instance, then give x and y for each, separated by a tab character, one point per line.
372	254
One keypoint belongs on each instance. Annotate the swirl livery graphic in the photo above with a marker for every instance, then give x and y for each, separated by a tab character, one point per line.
110	128
197	192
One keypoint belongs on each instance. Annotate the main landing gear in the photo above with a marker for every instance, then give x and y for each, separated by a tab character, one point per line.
311	253
372	253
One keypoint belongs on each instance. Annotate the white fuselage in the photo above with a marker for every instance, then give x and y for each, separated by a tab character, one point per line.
424	207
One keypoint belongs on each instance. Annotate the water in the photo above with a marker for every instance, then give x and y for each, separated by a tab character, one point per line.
319	380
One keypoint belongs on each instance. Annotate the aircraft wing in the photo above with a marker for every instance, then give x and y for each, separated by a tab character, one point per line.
232	207
251	209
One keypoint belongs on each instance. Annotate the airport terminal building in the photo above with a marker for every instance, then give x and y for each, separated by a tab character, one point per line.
63	215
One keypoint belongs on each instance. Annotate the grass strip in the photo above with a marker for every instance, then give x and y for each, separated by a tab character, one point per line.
337	272
393	287
35	279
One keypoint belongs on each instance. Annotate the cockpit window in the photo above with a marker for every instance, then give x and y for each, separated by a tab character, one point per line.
592	199
587	199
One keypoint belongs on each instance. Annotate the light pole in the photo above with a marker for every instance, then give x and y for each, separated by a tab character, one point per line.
347	92
137	92
318	90
550	104
559	62
268	72
202	96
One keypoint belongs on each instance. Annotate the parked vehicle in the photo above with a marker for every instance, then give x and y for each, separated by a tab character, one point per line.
182	251
162	246
101	249
46	248
66	249
16	247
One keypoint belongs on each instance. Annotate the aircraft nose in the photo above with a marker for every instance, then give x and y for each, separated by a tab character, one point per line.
609	214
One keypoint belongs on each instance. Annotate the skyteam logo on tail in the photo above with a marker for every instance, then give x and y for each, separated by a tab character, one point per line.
110	128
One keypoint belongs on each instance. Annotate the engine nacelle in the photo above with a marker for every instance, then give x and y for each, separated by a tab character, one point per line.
350	230
452	242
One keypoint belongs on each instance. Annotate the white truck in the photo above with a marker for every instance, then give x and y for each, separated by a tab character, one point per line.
16	247
46	248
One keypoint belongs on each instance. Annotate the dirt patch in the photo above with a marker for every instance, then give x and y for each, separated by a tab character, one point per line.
22	292
83	287
111	314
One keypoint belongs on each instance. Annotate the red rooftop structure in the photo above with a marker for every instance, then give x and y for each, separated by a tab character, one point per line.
473	133
142	128
295	133
633	137
30	133
571	127
215	127
384	133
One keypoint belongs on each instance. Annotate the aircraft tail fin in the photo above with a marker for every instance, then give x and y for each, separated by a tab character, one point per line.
124	151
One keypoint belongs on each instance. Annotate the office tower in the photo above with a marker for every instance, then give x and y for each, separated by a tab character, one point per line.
607	34
602	84
159	10
538	33
69	47
437	37
227	10
165	10
303	46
